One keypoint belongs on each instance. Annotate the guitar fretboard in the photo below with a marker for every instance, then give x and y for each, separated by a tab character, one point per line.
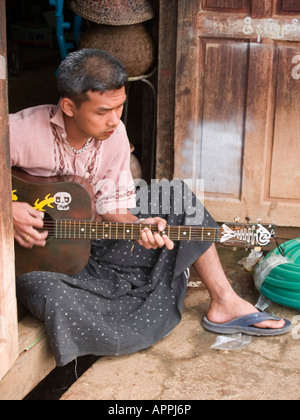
66	229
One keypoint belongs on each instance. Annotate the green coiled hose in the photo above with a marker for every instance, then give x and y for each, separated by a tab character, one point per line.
281	284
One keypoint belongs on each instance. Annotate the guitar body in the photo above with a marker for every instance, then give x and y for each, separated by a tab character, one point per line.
67	197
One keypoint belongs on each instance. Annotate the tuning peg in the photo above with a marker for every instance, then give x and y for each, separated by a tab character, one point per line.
247	219
259	220
237	219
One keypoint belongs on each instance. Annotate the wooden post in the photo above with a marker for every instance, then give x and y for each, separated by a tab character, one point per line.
166	88
8	311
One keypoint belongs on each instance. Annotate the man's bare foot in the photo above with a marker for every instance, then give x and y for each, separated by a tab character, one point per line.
225	305
226	310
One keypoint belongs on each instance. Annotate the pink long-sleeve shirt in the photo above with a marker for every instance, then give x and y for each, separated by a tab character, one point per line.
39	147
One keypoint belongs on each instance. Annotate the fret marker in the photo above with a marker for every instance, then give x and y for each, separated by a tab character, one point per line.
208	234
184	233
127	231
82	229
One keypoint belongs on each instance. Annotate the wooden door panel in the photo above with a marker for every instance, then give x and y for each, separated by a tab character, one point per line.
227	5
289	6
238	105
221	131
285	168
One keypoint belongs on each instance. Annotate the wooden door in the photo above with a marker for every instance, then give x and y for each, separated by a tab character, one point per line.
8	311
237	116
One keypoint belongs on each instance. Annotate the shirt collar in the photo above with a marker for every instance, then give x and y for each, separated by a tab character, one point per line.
58	118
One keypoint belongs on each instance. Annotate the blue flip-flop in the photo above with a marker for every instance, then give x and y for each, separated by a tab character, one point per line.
245	325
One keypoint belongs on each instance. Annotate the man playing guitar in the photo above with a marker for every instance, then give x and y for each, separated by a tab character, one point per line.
124	299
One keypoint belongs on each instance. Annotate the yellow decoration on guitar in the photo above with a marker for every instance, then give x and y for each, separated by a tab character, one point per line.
14	196
39	205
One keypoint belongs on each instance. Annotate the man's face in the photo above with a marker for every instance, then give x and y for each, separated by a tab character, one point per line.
100	116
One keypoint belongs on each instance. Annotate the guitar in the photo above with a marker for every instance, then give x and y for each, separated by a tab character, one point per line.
69	219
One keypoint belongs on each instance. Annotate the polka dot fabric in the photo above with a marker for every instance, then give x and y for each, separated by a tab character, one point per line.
122	301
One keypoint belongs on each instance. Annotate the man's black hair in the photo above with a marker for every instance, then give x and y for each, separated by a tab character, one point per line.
89	70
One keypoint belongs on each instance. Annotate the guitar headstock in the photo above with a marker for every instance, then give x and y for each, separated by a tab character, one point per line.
247	234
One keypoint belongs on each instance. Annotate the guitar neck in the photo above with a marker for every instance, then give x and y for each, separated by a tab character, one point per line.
66	229
70	229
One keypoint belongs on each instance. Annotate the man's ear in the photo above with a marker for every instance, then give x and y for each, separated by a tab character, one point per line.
67	106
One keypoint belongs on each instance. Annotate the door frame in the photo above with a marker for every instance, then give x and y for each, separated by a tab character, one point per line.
8	306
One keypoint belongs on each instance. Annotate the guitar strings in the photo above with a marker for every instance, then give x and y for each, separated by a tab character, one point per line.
95	230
